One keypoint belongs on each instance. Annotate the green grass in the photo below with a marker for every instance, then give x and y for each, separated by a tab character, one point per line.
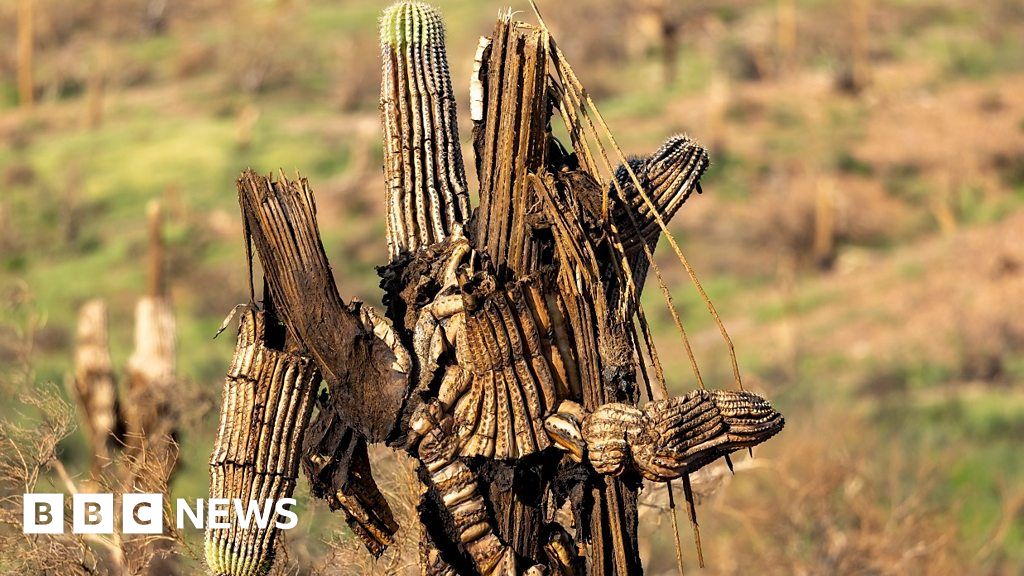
806	301
728	176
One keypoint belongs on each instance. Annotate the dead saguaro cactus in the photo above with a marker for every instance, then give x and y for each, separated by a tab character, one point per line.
145	422
151	408
94	385
267	402
513	358
133	436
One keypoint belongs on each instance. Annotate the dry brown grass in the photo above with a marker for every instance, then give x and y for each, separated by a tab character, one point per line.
834	499
30	461
29	451
821	500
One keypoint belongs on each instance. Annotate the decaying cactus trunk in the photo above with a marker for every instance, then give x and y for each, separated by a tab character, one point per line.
511	140
510	359
94	385
520	190
151	409
151	377
267	402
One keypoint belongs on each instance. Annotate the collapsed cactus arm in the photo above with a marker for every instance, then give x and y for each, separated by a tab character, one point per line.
667	438
366	376
338	467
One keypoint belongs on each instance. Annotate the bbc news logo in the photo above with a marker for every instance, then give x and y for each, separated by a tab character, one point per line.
143	513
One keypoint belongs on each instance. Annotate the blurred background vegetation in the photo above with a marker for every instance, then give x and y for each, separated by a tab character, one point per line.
861	232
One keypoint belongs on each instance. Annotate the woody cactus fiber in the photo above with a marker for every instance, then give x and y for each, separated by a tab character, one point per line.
512	359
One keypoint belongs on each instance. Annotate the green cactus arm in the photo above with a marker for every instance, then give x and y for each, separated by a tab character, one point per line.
427	199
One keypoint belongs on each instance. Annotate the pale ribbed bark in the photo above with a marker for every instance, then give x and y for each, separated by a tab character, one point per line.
267	402
427	198
151	409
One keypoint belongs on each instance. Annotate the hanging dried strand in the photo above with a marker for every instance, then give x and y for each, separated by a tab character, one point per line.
675	528
568	76
572	103
572	110
570	117
692	509
567	110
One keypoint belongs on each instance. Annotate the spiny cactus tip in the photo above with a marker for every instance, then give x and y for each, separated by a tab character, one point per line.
411	22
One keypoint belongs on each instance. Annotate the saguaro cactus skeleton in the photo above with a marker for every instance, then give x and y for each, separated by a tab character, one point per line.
513	348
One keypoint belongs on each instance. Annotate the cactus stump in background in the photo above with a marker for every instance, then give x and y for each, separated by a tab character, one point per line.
133	438
151	411
94	385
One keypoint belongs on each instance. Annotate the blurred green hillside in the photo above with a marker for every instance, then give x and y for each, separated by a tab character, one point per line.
861	231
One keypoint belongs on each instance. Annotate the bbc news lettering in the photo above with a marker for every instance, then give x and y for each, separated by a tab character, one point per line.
143	513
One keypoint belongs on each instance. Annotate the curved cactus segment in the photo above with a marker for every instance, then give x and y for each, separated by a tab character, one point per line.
670	438
423	168
669	175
